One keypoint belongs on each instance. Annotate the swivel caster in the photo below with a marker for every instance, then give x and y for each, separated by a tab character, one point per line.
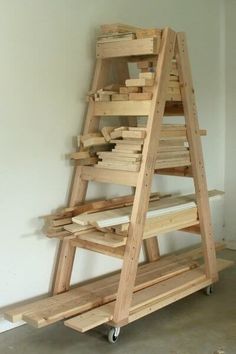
113	334
208	290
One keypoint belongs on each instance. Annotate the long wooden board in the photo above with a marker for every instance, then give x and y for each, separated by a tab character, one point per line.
52	309
158	295
128	48
156	208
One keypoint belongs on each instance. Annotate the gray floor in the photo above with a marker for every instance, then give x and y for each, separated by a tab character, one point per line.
198	324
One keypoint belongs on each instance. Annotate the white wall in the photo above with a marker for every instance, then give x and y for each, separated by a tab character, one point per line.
46	63
230	160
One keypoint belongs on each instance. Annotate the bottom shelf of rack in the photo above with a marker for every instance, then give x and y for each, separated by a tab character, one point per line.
148	299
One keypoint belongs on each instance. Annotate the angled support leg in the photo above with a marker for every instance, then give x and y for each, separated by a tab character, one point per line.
66	254
142	193
198	170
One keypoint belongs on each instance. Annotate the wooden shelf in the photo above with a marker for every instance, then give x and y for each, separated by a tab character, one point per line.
149	299
98	292
109	176
145	46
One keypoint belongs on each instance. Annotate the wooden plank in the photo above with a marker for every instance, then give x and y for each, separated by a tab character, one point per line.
139	82
140	96
80	155
117	252
148	299
61	306
102	238
131	89
122	108
196	153
120	97
118	167
109	176
117	49
156	208
118	28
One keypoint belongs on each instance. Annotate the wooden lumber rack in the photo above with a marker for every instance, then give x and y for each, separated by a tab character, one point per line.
130	153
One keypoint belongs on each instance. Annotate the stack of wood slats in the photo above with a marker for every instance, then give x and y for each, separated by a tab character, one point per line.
139	89
128	144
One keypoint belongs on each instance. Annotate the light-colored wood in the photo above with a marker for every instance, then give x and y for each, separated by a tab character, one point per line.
122	108
195	148
139	82
131	89
163	206
121	49
66	253
105	239
55	308
80	155
152	249
147	75
120	97
117	252
149	299
118	28
109	176
140	96
106	132
129	269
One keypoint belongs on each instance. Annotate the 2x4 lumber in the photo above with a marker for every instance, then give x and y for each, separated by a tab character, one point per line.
196	153
151	249
109	176
61	306
66	252
117	49
148	299
118	28
130	89
119	167
122	108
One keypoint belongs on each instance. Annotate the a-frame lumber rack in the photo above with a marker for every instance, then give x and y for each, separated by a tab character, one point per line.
127	296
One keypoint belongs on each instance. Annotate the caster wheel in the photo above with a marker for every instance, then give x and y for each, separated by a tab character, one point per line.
208	290
113	334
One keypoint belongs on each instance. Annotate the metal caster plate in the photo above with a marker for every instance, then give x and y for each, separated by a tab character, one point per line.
208	290
113	334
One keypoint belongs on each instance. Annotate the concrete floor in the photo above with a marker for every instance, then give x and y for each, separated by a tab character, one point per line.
198	324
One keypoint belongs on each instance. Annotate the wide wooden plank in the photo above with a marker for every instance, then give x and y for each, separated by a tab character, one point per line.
64	305
109	176
156	208
158	296
121	48
122	108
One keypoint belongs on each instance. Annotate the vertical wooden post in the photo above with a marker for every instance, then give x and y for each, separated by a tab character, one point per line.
142	193
196	155
66	253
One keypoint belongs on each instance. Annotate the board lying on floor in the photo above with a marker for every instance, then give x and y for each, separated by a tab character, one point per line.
129	151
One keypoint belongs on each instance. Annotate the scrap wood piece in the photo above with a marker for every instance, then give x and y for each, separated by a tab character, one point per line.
156	208
130	89
106	132
92	139
140	96
139	82
115	37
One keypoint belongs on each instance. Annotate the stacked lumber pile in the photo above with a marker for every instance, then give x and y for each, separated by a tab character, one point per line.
128	144
141	88
120	148
106	222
